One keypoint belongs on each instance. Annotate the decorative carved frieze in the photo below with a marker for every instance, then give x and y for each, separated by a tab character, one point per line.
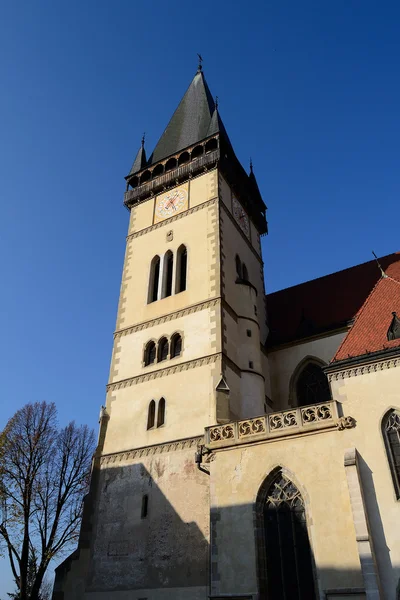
185	366
171	219
150	450
169	317
295	421
363	369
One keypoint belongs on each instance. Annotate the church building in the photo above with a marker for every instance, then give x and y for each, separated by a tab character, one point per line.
249	446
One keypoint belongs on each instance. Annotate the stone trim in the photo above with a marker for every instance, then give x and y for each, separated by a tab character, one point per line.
363	369
361	526
182	444
184	213
168	317
170	370
254	251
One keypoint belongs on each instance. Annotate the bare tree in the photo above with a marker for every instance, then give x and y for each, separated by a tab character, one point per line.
44	474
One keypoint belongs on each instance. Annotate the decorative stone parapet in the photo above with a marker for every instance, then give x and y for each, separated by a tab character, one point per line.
280	424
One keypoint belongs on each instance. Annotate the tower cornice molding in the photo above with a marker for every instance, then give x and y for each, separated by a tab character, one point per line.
184	366
182	444
185	213
168	317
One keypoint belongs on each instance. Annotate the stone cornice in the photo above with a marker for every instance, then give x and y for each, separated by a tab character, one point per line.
184	366
185	213
362	369
168	317
173	446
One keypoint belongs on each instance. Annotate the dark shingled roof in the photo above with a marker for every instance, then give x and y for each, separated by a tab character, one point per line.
140	161
189	123
322	304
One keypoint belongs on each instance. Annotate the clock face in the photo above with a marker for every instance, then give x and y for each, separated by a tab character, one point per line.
241	217
171	203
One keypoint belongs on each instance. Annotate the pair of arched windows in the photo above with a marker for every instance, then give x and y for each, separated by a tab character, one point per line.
164	349
151	415
241	270
162	274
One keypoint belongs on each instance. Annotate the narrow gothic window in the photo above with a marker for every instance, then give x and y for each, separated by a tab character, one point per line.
287	547
245	274
391	433
150	354
151	415
154	279
176	345
167	276
238	263
181	269
312	386
161	413
162	349
145	506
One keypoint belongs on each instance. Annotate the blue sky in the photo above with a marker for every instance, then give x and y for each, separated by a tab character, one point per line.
309	89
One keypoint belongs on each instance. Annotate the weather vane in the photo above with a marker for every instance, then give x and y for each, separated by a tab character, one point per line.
200	67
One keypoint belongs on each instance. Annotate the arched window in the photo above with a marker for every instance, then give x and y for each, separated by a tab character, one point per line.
181	269
245	275
312	385
154	279
167	275
162	349
176	345
149	354
284	549
238	263
391	434
151	415
161	413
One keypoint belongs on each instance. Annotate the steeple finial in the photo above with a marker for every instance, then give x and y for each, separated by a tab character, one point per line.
200	65
251	165
216	102
143	138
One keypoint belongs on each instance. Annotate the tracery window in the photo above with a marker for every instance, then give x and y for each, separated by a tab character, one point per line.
151	415
391	434
312	385
176	345
289	571
149	354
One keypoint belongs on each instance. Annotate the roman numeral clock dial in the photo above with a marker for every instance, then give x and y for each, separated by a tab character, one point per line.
241	217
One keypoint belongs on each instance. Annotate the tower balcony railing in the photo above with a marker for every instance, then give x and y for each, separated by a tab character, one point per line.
278	424
165	180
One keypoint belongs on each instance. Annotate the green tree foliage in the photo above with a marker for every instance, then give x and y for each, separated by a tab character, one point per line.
44	475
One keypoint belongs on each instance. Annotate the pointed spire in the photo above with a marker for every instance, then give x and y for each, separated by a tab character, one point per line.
251	166
190	121
140	161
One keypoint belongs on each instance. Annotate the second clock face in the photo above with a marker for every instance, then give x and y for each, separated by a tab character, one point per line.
241	217
171	203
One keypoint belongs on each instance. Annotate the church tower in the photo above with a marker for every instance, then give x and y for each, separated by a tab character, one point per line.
187	354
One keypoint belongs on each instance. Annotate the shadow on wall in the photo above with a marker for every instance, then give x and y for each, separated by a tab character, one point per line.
140	542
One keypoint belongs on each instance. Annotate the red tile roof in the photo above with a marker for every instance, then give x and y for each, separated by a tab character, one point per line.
323	304
369	331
